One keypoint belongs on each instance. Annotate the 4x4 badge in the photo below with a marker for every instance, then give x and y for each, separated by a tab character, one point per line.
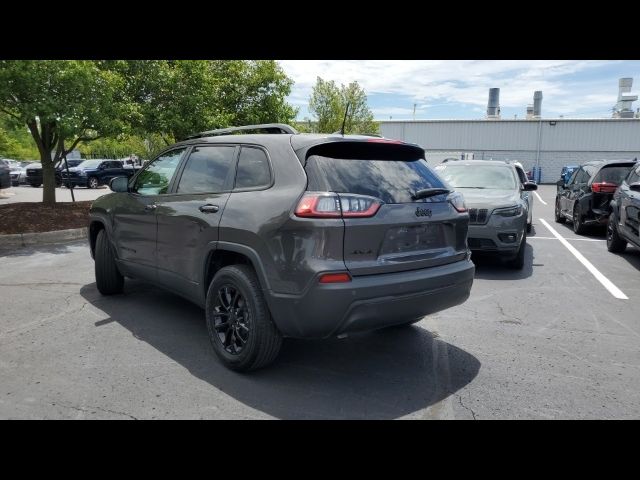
423	212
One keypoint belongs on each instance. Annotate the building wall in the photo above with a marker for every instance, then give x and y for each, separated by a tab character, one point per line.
561	141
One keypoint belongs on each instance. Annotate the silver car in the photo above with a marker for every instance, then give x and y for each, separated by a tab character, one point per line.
498	213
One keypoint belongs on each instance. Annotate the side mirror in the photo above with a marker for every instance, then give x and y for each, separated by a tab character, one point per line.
119	184
529	186
560	183
635	186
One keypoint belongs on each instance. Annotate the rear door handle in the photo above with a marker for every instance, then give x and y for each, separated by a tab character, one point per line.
209	208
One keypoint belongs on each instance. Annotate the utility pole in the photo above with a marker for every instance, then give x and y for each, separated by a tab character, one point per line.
414	111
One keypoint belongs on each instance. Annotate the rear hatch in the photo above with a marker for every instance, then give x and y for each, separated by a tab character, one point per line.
604	184
386	228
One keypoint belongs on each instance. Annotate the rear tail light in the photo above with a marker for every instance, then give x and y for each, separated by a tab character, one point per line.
603	187
335	278
333	205
457	200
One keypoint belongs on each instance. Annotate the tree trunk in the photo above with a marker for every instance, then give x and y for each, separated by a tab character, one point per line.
48	182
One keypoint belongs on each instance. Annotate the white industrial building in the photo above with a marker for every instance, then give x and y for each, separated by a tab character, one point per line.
546	143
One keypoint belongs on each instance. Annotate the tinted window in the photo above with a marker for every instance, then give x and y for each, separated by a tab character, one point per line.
392	181
207	170
253	169
613	175
634	176
155	179
479	176
581	177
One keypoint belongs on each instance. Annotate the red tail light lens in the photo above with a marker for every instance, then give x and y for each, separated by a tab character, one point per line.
335	278
333	205
319	205
603	187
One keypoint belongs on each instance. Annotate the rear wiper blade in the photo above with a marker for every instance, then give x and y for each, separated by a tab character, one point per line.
429	192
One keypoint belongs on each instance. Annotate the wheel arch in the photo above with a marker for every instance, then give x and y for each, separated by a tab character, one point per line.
223	254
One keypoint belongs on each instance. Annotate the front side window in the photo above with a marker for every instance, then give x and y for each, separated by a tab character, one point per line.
155	179
207	170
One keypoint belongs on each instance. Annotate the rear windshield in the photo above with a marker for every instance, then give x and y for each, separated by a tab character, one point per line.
613	175
392	181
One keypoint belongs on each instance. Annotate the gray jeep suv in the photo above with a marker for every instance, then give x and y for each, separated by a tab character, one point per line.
287	235
498	212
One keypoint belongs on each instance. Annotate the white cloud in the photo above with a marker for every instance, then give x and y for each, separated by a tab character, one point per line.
467	82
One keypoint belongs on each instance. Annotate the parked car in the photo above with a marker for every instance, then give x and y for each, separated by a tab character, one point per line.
624	221
584	199
526	194
497	210
567	171
19	173
34	172
287	235
5	175
93	173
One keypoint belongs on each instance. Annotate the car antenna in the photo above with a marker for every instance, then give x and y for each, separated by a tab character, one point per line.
344	120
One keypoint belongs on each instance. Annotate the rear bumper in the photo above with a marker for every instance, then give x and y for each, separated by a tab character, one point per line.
372	301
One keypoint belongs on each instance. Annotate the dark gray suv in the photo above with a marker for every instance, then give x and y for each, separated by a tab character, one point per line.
287	235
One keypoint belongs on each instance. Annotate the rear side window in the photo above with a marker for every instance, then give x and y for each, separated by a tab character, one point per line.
613	175
392	181
253	169
207	170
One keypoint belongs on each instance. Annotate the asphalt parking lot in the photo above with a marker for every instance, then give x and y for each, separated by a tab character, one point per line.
558	340
27	193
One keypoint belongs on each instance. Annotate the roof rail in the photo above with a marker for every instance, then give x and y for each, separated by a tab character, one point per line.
271	128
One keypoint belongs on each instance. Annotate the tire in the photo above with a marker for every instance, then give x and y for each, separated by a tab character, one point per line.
249	312
109	280
615	244
92	182
35	185
578	226
558	214
518	262
528	228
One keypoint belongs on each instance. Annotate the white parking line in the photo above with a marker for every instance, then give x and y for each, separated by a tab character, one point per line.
570	239
540	198
613	290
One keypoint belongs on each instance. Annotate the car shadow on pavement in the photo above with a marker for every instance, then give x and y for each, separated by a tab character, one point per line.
631	255
490	267
380	375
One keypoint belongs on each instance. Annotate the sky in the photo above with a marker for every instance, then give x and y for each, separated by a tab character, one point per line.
460	89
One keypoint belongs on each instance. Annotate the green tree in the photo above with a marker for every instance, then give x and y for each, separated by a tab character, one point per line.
182	97
16	143
64	103
329	103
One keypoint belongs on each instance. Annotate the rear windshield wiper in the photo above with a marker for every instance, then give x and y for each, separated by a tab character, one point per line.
429	192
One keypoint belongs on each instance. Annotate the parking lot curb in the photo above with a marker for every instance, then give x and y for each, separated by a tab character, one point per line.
42	238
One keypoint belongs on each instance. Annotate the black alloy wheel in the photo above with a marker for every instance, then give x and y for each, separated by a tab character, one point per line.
231	319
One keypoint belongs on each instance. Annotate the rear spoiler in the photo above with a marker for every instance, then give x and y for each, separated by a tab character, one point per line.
354	148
